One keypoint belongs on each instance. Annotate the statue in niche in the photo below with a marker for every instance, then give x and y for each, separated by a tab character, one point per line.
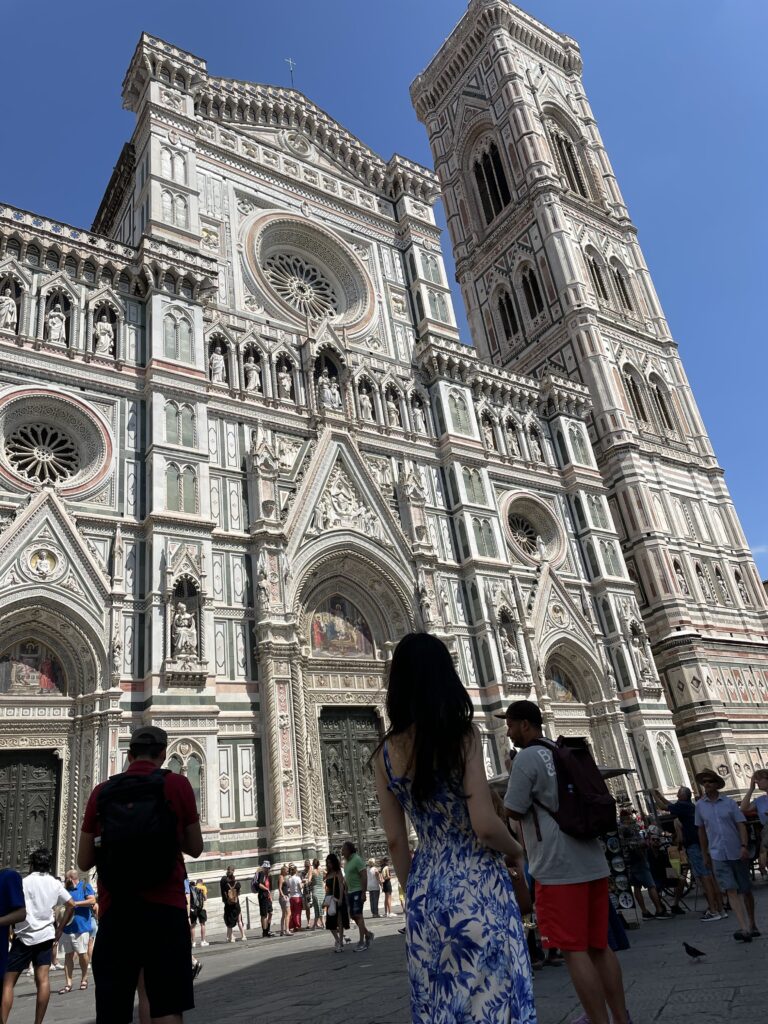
742	589
393	413
284	384
324	393
445	601
56	323
425	604
366	406
218	366
512	442
184	631
541	547
8	311
252	372
535	446
43	563
335	395
262	591
104	336
419	420
490	440
508	652
643	662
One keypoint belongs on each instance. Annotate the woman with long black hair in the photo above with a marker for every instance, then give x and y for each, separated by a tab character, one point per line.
467	954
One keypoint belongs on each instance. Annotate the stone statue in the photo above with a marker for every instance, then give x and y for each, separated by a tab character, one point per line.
490	440
508	652
56	322
541	547
366	406
512	442
262	591
184	631
643	662
252	372
44	564
324	394
393	413
284	384
445	601
117	653
425	605
335	395
535	446
419	420
8	312
104	336
218	367
742	590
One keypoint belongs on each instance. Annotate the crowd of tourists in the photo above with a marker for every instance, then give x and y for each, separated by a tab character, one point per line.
481	865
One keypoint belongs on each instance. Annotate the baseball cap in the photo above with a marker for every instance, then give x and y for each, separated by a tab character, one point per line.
148	735
523	711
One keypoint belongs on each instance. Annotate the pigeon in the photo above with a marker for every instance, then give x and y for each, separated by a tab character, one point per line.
695	954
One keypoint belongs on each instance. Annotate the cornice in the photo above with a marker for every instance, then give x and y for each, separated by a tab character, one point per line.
431	88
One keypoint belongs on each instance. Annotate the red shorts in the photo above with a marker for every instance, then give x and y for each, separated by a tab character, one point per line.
573	917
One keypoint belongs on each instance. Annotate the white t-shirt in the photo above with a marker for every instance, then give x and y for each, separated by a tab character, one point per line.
373	880
42	893
294	886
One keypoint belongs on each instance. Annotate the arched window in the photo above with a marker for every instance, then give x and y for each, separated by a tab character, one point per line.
438	307
474	486
179	425
532	292
594	568
177	338
564	456
622	286
610	558
420	305
599	515
181	489
508	316
578	445
491	183
166	163
459	414
167	206
668	761
180	212
579	510
431	268
661	403
567	159
596	276
633	388
171	423
189	490
610	622
172	488
194	774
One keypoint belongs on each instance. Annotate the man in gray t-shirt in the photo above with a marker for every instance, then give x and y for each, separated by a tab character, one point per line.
571	875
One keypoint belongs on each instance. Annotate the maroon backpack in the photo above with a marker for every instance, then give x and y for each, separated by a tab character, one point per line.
586	808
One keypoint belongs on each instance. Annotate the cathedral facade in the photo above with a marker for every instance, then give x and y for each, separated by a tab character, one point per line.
243	451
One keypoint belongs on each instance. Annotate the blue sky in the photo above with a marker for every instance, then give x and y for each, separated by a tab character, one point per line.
677	87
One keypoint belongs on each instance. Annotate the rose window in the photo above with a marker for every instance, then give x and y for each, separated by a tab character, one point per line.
42	454
522	532
301	285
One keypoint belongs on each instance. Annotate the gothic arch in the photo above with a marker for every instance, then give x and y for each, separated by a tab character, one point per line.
486	173
569	152
574	659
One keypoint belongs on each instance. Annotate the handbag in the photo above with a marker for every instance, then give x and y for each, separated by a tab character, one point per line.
522	892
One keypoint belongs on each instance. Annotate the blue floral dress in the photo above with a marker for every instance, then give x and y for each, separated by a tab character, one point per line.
467	955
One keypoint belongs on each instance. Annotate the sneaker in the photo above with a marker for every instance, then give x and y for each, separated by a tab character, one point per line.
724	914
646	917
244	938
204	943
676	910
741	936
401	931
361	947
196	968
755	933
709	916
194	945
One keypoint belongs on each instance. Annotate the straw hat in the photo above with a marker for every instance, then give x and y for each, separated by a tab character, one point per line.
708	775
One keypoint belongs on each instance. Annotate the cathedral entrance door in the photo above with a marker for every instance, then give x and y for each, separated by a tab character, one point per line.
29	796
348	737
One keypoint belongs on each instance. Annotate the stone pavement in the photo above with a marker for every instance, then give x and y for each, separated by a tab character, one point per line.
299	980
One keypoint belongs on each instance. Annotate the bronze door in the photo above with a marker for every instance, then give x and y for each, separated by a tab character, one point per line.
29	797
348	737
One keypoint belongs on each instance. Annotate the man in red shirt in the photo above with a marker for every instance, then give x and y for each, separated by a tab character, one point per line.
160	964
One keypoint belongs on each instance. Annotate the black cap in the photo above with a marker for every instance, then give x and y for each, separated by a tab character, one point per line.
149	735
523	711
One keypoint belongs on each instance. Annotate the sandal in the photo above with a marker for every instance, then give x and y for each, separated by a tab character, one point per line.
63	991
83	986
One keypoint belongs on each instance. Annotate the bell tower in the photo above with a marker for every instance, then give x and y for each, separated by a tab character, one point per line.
554	281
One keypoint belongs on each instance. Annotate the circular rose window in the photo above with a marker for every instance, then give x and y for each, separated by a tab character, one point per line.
42	453
53	439
307	272
532	529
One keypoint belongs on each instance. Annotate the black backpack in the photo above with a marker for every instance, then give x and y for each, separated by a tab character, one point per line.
586	808
137	832
195	898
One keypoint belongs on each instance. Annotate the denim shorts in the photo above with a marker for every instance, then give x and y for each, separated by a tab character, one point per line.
696	860
733	875
640	874
355	903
